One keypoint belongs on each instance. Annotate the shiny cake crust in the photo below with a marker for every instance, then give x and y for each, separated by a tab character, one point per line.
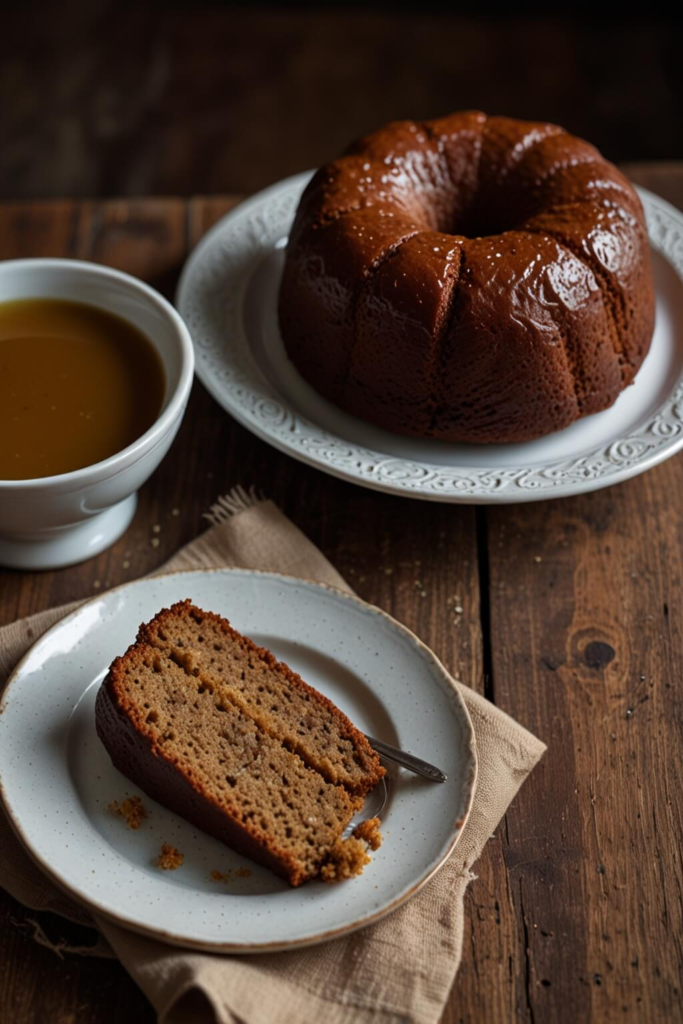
471	279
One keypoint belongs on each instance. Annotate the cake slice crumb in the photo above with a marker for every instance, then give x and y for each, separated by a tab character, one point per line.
132	810
369	831
169	859
285	768
348	857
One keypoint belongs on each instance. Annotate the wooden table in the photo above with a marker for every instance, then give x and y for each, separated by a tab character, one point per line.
571	620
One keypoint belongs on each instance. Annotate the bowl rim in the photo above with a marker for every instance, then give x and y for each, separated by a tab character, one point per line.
121	460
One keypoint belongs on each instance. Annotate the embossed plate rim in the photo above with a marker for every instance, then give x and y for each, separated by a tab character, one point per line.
210	297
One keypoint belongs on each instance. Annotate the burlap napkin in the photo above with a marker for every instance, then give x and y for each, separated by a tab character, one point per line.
399	970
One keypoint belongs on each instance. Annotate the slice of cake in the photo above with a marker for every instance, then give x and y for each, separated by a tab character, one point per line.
219	731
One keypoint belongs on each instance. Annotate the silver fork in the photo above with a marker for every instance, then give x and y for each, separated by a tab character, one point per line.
376	801
406	760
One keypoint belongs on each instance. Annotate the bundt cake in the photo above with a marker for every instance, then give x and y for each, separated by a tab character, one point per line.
216	729
471	278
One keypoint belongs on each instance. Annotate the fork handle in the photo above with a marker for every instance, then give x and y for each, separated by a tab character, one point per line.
406	760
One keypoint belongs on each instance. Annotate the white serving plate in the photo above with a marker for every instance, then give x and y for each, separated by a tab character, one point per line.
56	779
227	296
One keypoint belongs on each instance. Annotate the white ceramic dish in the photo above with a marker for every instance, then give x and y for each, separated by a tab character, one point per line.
228	298
57	780
58	520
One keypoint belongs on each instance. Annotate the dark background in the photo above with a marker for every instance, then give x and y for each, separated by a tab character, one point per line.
101	98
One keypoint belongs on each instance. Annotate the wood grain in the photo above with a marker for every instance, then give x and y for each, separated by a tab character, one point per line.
571	621
586	597
152	98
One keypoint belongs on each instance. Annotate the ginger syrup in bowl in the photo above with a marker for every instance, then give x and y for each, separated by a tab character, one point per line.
96	371
77	385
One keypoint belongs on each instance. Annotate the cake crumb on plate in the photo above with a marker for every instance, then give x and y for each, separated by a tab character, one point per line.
169	859
226	876
131	809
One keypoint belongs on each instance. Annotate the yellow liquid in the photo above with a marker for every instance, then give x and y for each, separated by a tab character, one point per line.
77	385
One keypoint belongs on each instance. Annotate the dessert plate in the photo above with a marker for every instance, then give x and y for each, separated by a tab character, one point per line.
227	295
56	779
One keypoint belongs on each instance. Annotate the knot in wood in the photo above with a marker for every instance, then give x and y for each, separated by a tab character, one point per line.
598	654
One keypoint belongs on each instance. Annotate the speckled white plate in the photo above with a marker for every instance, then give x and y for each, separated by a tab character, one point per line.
227	296
56	779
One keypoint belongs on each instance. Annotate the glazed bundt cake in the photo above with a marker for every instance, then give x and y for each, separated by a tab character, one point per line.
471	278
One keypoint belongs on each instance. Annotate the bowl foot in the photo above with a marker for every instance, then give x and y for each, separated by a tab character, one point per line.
56	549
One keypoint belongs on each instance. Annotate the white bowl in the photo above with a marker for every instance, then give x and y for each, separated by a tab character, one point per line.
60	520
